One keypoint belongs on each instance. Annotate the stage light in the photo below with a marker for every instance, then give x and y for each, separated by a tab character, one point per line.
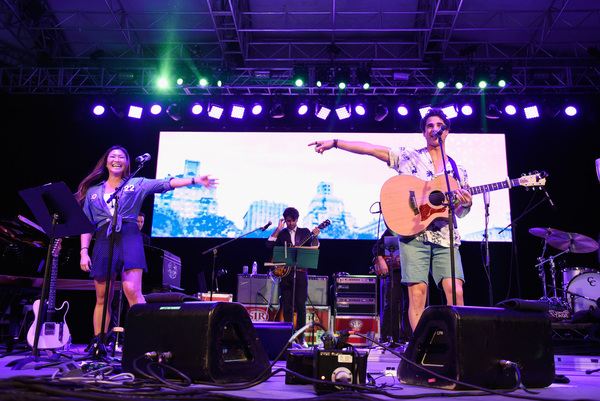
237	111
174	111
381	112
343	111
205	77
363	76
155	109
493	113
197	109
300	75
99	110
450	111
424	110
215	111
360	109
322	76
135	112
441	76
277	111
531	112
342	77
481	76
322	112
466	109
503	75
460	77
257	109
510	109
402	110
302	109
163	83
570	111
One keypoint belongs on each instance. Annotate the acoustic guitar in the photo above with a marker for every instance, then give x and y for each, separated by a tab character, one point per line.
410	204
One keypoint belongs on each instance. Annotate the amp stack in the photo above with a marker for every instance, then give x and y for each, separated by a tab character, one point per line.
355	307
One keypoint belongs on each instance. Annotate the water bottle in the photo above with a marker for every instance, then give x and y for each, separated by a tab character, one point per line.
254	268
245	270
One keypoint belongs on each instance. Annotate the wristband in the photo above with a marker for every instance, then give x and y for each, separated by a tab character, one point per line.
335	143
85	247
193	180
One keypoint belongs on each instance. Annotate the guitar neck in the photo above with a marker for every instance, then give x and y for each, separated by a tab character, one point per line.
493	187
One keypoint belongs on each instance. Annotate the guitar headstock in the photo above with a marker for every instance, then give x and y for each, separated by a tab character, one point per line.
535	179
324	224
56	247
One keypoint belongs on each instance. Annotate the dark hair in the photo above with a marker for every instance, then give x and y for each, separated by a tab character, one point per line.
142	214
98	172
431	113
291	212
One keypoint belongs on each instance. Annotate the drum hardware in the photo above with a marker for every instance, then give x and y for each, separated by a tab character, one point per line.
574	294
542	275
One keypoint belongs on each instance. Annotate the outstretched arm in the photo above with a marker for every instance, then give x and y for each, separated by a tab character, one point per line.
205	180
361	148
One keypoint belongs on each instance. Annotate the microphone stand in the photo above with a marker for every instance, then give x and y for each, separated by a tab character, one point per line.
99	349
486	237
451	221
214	250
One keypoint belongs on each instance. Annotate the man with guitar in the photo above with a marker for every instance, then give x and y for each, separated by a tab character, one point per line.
292	235
430	246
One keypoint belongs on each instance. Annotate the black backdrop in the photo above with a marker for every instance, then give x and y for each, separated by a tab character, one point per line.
54	138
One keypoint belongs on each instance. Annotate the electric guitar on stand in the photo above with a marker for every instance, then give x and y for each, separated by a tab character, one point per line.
55	332
410	204
283	271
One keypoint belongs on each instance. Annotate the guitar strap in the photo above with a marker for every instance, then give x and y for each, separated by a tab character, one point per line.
455	169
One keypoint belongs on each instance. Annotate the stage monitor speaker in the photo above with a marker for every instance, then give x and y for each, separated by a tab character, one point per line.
274	337
207	341
467	344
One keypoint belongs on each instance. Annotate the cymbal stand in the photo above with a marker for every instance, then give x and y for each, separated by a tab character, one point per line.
542	275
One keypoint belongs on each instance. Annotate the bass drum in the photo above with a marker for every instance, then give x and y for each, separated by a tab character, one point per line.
572	272
586	285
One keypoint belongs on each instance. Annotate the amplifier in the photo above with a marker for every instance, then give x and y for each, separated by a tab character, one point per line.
356	285
366	325
356	305
261	312
317	290
256	289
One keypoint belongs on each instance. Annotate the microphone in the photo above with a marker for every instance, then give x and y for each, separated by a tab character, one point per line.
439	132
266	226
549	199
143	158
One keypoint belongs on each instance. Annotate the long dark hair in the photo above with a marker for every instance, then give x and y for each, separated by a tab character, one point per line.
99	172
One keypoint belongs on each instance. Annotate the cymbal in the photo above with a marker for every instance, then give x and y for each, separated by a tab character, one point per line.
544	232
576	243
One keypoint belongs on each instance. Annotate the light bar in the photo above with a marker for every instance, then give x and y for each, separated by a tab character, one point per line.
215	111
531	112
343	112
237	111
135	112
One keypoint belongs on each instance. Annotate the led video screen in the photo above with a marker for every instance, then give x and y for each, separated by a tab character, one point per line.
260	174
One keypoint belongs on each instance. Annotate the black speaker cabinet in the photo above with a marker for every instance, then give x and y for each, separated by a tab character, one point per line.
274	336
468	344
207	341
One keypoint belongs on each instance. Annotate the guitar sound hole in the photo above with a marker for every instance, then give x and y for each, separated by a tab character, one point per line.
436	198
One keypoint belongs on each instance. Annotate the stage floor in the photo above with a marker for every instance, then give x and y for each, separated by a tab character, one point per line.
35	383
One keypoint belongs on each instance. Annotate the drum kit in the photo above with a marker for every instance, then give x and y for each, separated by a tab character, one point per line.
580	285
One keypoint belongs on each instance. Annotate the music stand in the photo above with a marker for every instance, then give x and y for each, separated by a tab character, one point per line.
300	256
59	214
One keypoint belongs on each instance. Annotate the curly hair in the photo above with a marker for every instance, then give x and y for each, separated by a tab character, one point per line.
431	113
99	172
291	212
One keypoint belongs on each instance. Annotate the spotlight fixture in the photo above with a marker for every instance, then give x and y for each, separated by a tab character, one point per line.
300	75
343	111
460	77
450	111
215	111
481	76
360	109
174	111
237	111
363	76
155	109
493	113
257	109
342	77
441	77
197	109
98	110
570	111
510	109
402	110
322	112
322	76
381	112
302	109
466	109
424	110
135	112
205	77
503	75
531	112
277	111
